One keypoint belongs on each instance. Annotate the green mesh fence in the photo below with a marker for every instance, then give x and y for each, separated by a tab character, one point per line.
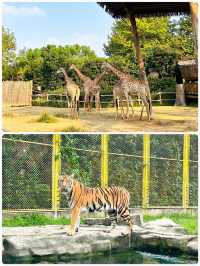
193	188
166	170
81	155
26	172
27	167
125	164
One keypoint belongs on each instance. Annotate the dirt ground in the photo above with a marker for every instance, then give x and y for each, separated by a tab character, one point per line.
165	119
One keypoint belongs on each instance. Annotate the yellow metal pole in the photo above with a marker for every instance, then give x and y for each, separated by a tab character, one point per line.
104	160
56	170
146	170
186	168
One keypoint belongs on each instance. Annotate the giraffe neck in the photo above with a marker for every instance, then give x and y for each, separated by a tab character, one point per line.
98	78
118	73
66	77
81	76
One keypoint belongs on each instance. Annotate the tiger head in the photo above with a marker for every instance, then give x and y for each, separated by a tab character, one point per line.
65	183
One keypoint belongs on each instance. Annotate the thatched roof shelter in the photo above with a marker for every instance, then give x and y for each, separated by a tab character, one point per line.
145	9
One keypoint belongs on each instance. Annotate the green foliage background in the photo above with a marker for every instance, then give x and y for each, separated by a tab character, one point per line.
163	41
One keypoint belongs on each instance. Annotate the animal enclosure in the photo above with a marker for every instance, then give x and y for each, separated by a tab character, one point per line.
17	93
158	170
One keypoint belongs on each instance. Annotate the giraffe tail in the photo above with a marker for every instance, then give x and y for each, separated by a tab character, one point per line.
78	105
116	102
150	105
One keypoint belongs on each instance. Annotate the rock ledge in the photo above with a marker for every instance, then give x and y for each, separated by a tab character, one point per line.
52	240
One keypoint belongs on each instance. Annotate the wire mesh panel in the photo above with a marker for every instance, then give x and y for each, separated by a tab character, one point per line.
81	156
26	174
166	170
125	164
193	177
27	167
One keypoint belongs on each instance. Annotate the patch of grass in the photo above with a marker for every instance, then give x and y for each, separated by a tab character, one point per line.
187	221
46	118
34	219
73	129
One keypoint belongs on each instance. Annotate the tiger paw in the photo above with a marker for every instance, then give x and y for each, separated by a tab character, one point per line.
70	233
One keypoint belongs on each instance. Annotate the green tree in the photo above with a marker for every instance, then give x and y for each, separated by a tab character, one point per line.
162	42
8	52
183	36
41	64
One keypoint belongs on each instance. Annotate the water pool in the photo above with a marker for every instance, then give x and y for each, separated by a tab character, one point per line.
117	257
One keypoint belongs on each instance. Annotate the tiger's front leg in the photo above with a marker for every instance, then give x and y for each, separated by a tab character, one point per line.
75	218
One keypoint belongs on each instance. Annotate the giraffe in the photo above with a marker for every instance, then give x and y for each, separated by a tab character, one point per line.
72	92
118	100
130	87
91	88
95	88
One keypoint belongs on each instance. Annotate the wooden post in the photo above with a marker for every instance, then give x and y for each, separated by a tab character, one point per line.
194	15
104	160
180	95
160	97
56	170
146	171
186	169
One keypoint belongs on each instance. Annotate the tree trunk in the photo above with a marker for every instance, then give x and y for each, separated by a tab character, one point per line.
139	54
137	47
194	14
180	94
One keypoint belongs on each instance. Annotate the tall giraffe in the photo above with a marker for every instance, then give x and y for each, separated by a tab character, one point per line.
91	88
130	87
72	91
96	90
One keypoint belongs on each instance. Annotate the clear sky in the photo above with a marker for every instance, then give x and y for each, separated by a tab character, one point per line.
37	24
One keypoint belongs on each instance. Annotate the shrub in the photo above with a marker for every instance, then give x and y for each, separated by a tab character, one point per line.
46	118
164	84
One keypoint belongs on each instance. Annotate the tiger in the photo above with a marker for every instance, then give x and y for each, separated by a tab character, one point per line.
114	200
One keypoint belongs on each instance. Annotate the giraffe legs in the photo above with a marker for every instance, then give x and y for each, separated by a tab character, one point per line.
97	102
146	104
132	107
128	99
91	101
86	102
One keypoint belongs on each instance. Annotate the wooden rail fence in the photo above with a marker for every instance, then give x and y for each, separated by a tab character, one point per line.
61	97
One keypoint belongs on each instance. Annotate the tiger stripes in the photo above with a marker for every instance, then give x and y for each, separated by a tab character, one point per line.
114	200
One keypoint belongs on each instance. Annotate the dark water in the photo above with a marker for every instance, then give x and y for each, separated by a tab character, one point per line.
125	257
131	257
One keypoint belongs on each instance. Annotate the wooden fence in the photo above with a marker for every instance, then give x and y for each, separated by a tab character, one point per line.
17	93
105	99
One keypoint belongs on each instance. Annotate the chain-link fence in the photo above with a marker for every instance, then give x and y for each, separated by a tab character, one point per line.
156	178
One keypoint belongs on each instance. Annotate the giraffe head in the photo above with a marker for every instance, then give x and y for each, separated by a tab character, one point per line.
72	67
60	70
105	66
